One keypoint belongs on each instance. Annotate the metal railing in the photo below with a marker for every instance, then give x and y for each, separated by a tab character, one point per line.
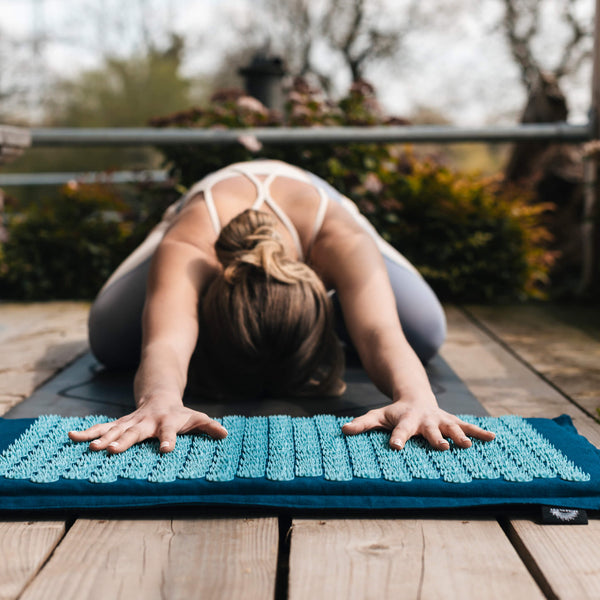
60	178
557	132
146	136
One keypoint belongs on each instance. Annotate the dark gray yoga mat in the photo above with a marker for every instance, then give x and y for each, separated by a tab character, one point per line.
85	388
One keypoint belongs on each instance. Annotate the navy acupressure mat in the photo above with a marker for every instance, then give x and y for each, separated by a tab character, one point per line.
298	462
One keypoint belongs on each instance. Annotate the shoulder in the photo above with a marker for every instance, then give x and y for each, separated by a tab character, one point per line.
342	246
339	226
192	227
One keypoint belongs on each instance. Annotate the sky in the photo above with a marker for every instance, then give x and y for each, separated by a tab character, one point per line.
459	67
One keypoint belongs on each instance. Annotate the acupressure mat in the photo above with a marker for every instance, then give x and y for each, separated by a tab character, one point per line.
298	462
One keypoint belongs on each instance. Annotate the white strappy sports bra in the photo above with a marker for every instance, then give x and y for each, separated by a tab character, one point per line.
272	169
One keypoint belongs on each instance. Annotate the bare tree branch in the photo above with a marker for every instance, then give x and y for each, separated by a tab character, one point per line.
521	24
516	14
353	32
579	33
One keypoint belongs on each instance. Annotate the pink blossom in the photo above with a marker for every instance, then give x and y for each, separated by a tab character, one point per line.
252	104
299	111
372	183
250	142
294	96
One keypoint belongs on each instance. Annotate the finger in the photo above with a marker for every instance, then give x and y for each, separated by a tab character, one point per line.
116	431
454	431
434	436
167	437
128	438
477	432
365	422
205	424
401	434
90	433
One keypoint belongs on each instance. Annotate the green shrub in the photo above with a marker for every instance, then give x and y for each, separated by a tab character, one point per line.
67	246
471	239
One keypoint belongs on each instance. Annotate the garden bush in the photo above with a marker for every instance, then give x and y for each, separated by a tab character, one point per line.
66	246
470	238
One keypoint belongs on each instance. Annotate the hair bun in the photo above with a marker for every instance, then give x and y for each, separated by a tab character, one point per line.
249	242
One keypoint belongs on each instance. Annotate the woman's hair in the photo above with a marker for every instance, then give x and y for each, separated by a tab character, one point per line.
266	321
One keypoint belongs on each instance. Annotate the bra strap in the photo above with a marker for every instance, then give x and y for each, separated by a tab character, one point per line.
320	217
212	211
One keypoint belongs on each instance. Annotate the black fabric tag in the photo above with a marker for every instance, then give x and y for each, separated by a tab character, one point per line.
553	515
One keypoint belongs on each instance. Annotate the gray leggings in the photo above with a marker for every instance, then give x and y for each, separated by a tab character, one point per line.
115	330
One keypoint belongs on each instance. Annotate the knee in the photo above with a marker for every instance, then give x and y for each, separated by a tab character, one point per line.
425	328
430	336
114	343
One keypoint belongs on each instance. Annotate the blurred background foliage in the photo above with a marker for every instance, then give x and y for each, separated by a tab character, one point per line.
122	92
67	245
476	228
471	238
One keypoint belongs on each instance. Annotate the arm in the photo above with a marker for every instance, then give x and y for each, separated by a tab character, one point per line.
179	271
170	321
348	260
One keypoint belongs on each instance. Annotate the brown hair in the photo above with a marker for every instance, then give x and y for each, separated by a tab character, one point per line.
266	322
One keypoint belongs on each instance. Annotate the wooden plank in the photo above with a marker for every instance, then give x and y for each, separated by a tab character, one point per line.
501	382
24	547
405	558
561	343
18	318
36	341
184	558
567	557
7	401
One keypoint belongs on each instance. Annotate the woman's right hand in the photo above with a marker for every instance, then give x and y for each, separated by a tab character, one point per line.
149	421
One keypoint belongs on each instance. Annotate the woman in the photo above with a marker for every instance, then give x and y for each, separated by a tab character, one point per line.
248	303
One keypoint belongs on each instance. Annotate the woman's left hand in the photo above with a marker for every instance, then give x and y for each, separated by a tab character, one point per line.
406	419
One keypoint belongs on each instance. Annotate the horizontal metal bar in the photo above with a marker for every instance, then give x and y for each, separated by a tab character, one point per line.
558	132
29	179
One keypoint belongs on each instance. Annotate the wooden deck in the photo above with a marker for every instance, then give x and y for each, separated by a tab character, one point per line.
528	360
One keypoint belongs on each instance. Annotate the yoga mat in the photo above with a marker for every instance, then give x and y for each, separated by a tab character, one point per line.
85	388
301	463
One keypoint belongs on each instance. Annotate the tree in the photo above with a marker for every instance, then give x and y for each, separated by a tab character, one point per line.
553	171
543	66
13	86
522	26
324	39
121	92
